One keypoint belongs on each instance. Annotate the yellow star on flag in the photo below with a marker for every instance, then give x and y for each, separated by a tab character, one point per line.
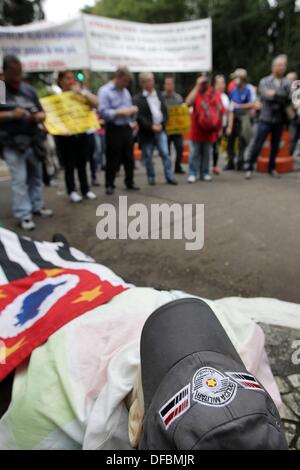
2	295
53	272
89	295
9	351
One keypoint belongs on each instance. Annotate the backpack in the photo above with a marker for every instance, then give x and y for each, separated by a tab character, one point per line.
209	112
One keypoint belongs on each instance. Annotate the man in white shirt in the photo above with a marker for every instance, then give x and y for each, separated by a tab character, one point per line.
152	119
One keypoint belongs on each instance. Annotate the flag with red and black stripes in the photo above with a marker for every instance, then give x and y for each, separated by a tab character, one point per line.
175	407
246	380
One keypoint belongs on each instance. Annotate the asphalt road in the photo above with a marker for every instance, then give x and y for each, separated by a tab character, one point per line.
252	249
252	235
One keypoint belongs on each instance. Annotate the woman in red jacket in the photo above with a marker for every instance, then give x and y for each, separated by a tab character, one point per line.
206	127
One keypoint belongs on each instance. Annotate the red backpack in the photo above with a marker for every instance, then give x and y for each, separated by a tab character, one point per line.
209	110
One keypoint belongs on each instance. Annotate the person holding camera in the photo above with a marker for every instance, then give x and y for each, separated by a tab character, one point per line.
22	144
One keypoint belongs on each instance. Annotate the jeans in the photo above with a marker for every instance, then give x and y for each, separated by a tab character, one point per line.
177	140
200	153
26	182
263	130
91	145
295	136
161	142
99	155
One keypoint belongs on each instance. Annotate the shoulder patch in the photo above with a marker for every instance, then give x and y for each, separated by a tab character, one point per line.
212	388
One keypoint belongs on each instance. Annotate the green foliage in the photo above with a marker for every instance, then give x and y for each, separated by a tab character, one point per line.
150	11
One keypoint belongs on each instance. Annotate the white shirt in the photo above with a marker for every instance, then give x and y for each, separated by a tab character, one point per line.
155	106
226	105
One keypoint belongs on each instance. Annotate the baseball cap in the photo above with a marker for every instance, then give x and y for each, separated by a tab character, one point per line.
198	393
239	73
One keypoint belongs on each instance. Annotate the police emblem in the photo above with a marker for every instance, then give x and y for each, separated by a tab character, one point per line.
212	388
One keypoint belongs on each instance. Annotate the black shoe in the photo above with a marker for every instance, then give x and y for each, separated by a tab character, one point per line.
240	166
179	171
46	213
59	238
133	187
274	174
172	182
110	191
230	166
96	183
151	182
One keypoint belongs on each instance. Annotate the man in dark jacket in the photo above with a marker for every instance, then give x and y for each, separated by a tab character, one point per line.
275	93
152	119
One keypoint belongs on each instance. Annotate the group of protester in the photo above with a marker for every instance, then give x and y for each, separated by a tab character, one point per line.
239	111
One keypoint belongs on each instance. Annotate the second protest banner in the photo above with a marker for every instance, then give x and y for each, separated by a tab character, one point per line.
179	121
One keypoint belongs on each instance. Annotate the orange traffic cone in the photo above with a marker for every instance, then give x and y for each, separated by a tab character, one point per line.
284	161
186	149
137	152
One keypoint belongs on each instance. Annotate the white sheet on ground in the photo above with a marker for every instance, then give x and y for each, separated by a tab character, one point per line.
71	393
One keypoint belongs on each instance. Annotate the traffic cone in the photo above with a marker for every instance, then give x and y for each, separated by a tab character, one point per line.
186	148
284	161
137	152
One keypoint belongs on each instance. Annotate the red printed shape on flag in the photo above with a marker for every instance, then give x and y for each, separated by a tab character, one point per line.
34	308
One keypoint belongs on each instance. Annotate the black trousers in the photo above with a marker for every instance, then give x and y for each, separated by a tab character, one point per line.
119	151
91	155
236	133
263	130
73	151
177	140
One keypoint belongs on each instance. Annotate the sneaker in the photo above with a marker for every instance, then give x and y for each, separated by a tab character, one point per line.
217	170
90	196
27	225
43	213
249	175
75	197
192	179
207	178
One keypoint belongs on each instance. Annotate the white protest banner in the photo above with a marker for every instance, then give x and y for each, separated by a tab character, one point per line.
43	46
102	44
171	47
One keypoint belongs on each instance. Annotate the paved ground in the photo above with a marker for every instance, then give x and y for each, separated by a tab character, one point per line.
252	248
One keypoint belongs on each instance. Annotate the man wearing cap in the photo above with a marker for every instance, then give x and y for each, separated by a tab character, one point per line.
239	125
197	392
274	91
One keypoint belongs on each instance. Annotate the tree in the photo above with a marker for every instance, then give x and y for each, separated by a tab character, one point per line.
245	33
18	12
150	11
